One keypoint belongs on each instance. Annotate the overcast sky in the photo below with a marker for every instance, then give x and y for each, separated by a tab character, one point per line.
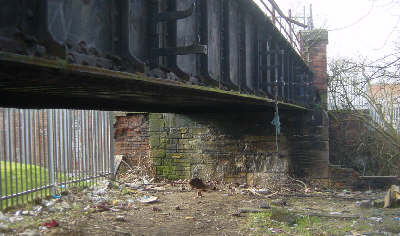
356	27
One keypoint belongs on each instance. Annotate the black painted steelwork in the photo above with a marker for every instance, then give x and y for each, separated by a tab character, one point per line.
228	44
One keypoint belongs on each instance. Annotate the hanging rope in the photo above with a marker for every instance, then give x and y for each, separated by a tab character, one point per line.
276	121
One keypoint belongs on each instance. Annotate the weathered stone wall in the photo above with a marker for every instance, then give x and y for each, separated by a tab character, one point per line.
236	147
131	138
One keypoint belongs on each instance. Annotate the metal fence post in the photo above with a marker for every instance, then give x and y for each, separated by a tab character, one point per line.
111	143
50	138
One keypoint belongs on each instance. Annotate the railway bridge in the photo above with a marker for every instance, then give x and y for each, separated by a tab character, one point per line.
200	79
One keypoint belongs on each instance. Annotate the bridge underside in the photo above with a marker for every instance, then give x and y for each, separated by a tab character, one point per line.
29	82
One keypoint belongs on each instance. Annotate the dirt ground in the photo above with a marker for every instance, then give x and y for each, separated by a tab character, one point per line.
181	210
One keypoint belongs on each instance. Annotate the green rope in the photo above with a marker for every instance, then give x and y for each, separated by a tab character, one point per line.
276	121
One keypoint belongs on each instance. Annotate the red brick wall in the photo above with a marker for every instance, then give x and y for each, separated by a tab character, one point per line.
318	63
131	138
314	52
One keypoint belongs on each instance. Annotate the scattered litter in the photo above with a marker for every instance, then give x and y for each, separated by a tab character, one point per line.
51	224
120	218
101	191
335	213
55	196
147	199
396	218
189	218
3	217
4	227
48	203
377	219
25	213
262	191
15	219
30	232
236	214
278	231
365	204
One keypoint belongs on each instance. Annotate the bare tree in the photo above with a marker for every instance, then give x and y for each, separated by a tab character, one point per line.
369	91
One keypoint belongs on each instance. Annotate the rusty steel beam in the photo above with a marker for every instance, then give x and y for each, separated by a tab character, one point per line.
225	44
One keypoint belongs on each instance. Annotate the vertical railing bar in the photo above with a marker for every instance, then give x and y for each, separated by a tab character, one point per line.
99	144
77	145
87	144
106	169
55	153
81	141
84	145
105	142
105	157
50	144
2	155
111	143
96	140
5	151
25	127
93	146
101	141
62	148
40	137
30	149
45	151
58	146
96	145
19	155
67	151
10	150
64	143
22	152
12	153
70	145
34	143
57	149
74	130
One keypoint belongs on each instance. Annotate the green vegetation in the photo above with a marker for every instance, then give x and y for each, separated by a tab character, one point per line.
282	222
13	173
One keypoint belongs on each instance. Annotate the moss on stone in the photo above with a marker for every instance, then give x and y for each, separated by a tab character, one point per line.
157	153
156	125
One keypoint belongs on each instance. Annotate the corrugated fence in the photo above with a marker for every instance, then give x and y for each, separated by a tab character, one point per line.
44	151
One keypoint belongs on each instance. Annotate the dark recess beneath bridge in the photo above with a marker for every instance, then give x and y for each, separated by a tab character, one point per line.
150	55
